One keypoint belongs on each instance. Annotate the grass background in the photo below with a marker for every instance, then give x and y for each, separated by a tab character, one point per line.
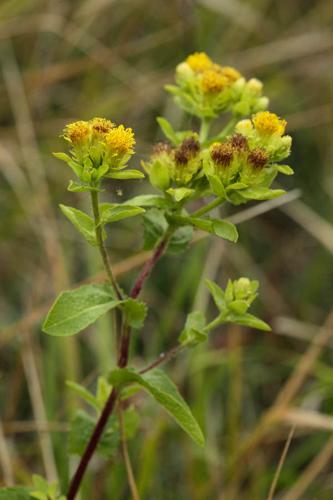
68	60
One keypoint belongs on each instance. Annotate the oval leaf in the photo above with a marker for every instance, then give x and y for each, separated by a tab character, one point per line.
74	310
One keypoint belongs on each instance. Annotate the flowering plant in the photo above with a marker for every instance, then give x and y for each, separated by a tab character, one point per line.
192	174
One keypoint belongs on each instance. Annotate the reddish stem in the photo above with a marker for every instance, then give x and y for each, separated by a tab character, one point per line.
148	266
93	442
122	362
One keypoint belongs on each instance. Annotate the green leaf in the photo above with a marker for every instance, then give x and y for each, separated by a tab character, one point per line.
76	187
217	294
193	332
181	193
155	225
261	193
136	312
15	493
222	228
114	212
62	156
249	320
83	223
76	167
216	186
285	169
225	229
180	239
159	175
83	393
148	200
125	174
163	390
168	130
74	310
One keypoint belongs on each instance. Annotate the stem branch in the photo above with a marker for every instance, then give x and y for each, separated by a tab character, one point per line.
101	246
207	208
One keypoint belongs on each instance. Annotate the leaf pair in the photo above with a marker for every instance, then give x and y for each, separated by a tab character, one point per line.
109	213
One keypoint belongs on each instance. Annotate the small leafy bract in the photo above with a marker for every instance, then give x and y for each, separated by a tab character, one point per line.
82	222
114	212
193	332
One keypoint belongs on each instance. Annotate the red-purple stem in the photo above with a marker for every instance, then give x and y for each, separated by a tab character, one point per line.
93	442
122	362
148	266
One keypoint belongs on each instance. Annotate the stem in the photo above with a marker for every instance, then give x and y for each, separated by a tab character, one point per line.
101	246
129	469
204	129
123	345
207	208
93	442
164	357
125	336
147	268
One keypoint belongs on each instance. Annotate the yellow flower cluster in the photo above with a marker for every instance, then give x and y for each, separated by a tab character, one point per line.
118	139
213	78
267	123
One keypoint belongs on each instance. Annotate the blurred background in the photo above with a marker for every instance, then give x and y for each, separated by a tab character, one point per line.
251	391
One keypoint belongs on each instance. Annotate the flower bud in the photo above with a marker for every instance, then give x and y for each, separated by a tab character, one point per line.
242	288
184	72
244	127
255	86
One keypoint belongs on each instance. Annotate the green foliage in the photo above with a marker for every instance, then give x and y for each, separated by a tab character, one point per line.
15	493
82	222
234	302
239	164
125	174
163	390
83	423
194	331
111	212
74	310
82	427
135	311
42	490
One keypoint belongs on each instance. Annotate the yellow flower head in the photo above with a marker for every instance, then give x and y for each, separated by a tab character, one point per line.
120	140
199	62
267	123
231	73
100	126
77	133
213	81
